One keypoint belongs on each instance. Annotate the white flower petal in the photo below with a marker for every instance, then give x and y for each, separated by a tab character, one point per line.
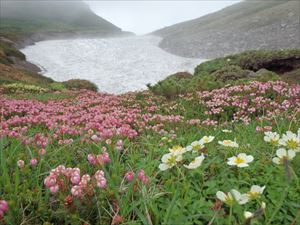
163	167
276	160
242	165
281	153
221	196
248	214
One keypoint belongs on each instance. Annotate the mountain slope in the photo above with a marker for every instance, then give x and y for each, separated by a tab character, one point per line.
39	19
243	26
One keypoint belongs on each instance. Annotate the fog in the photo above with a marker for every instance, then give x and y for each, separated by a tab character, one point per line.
143	17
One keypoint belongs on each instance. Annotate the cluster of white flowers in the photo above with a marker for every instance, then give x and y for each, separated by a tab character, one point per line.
175	154
234	196
229	143
289	145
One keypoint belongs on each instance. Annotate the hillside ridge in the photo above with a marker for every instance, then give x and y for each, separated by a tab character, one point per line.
242	26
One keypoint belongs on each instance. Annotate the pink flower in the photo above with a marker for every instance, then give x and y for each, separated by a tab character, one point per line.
20	164
42	152
129	176
105	157
76	191
33	162
141	174
75	179
50	181
142	177
3	206
101	183
145	180
92	159
54	189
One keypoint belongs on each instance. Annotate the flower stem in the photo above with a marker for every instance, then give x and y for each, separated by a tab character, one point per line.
230	215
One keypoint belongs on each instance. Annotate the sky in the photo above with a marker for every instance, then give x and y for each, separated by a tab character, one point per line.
142	17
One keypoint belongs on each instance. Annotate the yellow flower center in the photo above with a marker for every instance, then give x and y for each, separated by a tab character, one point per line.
227	142
239	160
292	144
253	195
177	148
274	142
171	161
206	139
197	147
229	200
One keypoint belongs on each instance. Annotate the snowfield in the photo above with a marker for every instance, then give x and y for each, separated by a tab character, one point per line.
116	65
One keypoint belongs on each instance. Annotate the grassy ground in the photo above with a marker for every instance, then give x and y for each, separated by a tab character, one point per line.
68	130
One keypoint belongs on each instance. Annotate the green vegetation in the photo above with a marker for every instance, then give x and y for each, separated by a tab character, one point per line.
262	65
78	84
275	60
22	88
179	195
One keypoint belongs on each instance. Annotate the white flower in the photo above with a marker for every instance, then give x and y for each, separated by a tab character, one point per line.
283	155
195	163
226	131
231	197
177	150
169	160
290	141
241	160
206	139
195	146
229	143
248	215
255	191
271	137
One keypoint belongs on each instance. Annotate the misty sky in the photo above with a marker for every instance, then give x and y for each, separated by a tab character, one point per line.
142	17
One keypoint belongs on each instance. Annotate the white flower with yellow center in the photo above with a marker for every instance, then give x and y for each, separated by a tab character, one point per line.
232	197
241	160
195	163
283	156
255	191
290	141
229	143
169	160
206	140
271	137
177	150
226	131
195	146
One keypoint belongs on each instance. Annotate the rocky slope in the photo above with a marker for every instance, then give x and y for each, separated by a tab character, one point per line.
243	26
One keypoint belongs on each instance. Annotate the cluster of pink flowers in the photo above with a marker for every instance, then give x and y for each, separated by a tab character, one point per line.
62	178
129	176
89	116
99	159
263	129
33	162
245	102
3	208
